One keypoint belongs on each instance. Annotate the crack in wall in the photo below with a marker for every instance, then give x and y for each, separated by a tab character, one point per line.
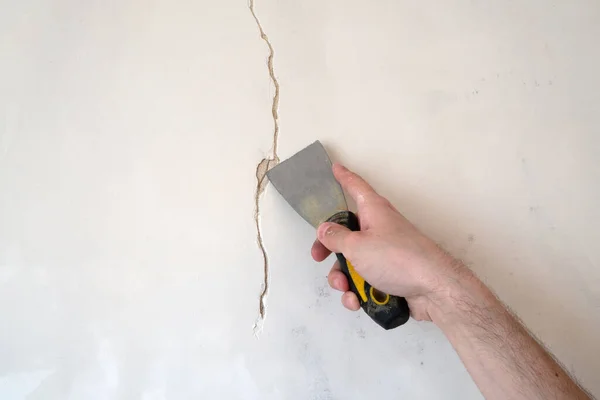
261	170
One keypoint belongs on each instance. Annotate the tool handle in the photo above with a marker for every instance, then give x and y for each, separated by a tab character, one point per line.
387	310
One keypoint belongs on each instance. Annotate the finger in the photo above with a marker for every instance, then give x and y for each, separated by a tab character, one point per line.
319	252
350	301
334	237
338	281
356	186
336	278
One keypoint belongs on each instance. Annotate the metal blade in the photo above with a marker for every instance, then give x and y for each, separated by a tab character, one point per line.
306	181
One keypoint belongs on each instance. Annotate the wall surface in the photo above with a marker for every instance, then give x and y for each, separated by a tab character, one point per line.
130	132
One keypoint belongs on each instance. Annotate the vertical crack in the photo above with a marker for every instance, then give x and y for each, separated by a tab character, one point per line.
261	170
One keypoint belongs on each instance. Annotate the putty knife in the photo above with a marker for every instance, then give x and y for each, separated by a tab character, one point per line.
306	181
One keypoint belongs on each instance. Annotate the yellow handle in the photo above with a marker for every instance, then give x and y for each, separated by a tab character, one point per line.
378	296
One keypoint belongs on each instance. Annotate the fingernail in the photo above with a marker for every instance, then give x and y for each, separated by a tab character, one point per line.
342	168
324	230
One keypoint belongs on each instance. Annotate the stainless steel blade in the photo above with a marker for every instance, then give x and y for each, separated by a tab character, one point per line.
306	181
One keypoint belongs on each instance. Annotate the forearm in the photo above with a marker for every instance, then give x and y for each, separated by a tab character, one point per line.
505	361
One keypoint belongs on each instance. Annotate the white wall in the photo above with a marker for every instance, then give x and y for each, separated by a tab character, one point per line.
129	136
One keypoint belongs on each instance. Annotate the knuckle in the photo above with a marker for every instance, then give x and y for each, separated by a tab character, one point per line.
380	200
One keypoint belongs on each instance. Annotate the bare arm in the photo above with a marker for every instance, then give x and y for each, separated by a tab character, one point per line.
503	358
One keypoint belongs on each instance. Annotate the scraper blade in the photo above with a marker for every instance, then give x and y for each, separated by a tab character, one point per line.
307	183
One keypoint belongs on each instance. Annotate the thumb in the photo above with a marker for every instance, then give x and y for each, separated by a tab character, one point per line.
334	237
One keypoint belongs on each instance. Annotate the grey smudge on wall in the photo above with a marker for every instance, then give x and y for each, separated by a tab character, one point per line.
308	355
420	347
322	292
299	331
322	289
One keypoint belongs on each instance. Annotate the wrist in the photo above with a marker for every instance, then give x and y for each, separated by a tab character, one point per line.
458	292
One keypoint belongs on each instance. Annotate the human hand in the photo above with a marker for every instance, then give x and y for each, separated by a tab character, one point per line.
388	252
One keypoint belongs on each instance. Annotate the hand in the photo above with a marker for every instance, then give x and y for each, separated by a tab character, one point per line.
389	252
